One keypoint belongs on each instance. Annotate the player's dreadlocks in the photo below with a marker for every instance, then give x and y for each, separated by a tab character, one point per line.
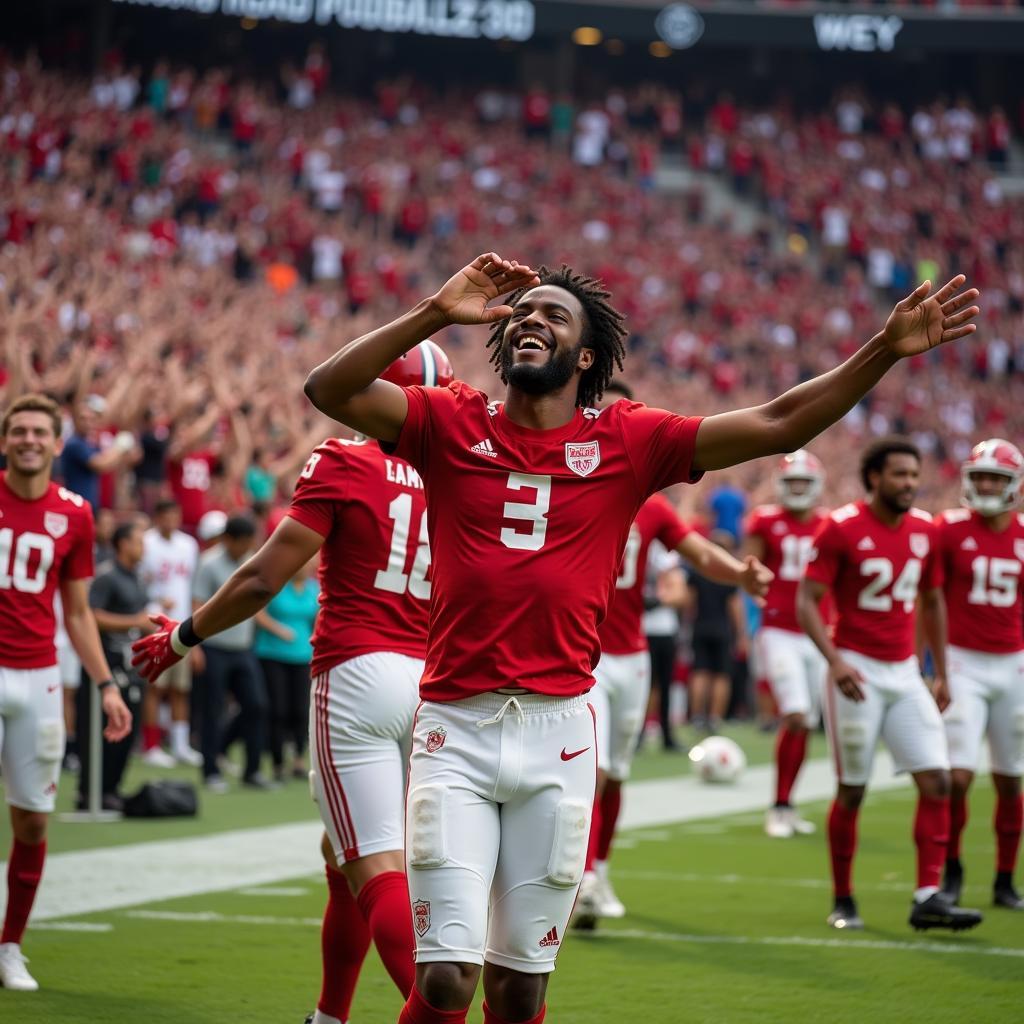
604	331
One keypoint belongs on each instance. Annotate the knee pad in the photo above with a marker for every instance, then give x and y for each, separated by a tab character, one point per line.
569	849
426	827
50	746
853	740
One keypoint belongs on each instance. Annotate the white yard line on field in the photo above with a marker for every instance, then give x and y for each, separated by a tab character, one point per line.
108	878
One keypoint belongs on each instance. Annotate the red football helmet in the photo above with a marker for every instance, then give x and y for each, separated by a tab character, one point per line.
426	364
993	456
803	466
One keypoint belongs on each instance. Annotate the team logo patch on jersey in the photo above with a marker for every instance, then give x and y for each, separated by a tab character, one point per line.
435	739
56	524
421	917
583	459
919	544
1018	549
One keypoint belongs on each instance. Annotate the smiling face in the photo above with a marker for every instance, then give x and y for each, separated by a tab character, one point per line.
542	347
30	444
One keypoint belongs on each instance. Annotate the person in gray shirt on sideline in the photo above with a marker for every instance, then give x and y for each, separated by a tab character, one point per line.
230	665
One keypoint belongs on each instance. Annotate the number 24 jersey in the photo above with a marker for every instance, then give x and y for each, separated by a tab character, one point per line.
527	528
876	572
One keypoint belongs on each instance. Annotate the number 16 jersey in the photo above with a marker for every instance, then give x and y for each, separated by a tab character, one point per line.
375	560
527	528
876	572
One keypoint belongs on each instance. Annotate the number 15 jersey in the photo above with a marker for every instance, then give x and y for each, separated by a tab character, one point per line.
876	572
527	528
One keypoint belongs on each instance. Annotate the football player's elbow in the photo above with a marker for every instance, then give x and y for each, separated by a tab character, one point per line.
314	390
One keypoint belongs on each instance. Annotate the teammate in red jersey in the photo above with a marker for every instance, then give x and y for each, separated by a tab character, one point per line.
364	512
529	504
46	542
982	551
781	536
622	678
876	557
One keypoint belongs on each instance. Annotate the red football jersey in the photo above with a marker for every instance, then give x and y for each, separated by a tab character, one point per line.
189	478
42	543
983	581
875	572
375	561
787	546
622	631
527	528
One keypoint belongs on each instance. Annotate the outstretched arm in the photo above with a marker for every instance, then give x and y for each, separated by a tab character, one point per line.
715	563
248	591
787	423
346	386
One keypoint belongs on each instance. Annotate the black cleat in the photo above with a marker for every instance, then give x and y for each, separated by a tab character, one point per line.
953	880
309	1019
1007	897
844	916
939	911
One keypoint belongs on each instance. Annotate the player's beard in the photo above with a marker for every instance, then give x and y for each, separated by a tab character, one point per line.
543	379
896	502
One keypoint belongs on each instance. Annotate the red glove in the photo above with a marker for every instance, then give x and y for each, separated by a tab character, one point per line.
154	654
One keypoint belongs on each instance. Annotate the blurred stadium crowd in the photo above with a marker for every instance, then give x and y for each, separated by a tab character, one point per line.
180	247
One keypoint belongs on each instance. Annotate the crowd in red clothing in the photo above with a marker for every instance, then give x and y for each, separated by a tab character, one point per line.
180	248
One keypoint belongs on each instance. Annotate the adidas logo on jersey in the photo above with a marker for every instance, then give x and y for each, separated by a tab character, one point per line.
866	544
551	939
485	447
969	544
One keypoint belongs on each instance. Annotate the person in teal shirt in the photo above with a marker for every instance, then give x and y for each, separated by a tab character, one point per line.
284	648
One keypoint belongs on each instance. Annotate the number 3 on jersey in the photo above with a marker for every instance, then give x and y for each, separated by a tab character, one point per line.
534	513
394	579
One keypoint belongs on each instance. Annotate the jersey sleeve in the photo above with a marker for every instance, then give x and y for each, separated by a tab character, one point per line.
79	562
670	529
826	554
321	484
660	445
414	438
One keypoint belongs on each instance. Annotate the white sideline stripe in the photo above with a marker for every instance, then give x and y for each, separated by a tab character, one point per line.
780	882
72	926
274	890
803	940
212	917
112	877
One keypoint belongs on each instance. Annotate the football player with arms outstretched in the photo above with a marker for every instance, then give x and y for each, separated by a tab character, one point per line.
876	557
529	505
781	536
622	678
365	513
46	544
982	549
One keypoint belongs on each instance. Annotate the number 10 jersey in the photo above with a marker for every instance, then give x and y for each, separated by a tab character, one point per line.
527	528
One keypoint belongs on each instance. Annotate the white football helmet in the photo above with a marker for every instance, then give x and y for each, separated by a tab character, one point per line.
993	456
800	465
718	759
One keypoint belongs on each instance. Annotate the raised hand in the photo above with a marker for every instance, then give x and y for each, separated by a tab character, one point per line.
464	297
154	653
922	321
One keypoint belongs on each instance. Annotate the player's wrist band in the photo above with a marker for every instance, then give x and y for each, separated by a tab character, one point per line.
106	683
184	638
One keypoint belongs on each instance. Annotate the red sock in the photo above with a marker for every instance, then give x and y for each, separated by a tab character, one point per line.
595	835
384	901
344	940
611	804
418	1011
931	834
1008	820
842	844
151	736
957	824
790	751
24	870
490	1017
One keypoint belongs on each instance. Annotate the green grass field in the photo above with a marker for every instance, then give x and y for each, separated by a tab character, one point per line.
724	925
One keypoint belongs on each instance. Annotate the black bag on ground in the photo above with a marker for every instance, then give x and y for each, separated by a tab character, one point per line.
170	798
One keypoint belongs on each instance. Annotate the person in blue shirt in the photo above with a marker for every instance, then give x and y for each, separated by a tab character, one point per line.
728	504
82	462
284	648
